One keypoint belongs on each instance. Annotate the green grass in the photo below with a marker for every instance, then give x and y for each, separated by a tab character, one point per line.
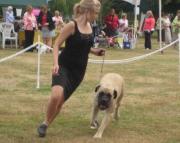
150	110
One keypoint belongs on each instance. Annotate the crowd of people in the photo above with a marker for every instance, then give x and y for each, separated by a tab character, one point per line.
49	24
170	27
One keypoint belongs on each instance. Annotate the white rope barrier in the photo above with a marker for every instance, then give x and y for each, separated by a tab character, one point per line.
42	48
18	53
46	46
125	61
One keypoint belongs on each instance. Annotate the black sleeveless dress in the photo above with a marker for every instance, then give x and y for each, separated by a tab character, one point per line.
73	61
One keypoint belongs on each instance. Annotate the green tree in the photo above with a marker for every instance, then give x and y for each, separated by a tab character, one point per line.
64	6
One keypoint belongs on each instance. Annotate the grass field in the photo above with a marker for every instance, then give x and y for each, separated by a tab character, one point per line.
150	110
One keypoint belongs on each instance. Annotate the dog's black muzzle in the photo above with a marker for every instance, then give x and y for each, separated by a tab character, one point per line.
103	101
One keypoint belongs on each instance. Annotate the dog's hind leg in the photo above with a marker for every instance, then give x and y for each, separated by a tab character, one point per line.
116	116
116	113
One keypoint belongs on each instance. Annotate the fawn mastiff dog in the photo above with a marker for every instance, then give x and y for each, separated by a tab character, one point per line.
108	95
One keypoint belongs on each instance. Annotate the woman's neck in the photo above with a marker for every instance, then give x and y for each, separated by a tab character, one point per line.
29	12
82	19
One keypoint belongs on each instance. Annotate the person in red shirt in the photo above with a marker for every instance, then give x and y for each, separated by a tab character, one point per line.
46	25
112	23
148	28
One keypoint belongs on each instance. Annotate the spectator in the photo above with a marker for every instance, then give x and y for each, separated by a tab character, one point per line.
46	25
30	25
58	20
10	15
148	28
176	26
112	23
167	24
123	23
162	29
95	28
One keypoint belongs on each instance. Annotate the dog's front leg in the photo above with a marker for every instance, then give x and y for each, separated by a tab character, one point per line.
94	122
107	118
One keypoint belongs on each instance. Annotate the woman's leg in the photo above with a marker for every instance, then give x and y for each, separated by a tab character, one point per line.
27	41
49	41
45	40
54	106
158	31
168	33
55	103
149	39
146	40
163	35
32	37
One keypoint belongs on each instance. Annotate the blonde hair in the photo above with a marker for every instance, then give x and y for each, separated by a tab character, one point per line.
150	13
86	5
57	12
124	15
29	7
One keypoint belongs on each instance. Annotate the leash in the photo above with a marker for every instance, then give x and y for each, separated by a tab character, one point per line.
102	66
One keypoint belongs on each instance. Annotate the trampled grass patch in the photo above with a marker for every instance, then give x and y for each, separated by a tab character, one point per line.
149	113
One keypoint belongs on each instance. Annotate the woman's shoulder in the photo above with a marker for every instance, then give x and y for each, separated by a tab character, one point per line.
26	14
70	26
71	23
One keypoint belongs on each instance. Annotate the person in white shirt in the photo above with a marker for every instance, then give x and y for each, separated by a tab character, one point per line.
123	23
10	15
58	21
167	24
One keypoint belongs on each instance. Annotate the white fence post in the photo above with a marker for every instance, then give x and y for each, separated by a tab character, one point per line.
39	63
38	67
179	55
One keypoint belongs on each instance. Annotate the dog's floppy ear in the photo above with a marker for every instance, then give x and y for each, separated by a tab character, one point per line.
97	87
115	94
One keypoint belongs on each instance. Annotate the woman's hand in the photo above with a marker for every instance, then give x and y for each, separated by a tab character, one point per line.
55	69
98	51
46	24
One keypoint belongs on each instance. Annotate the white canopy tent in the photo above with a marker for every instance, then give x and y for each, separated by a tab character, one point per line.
136	3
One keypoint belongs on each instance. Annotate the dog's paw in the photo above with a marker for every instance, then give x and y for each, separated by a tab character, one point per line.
97	136
94	125
115	118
